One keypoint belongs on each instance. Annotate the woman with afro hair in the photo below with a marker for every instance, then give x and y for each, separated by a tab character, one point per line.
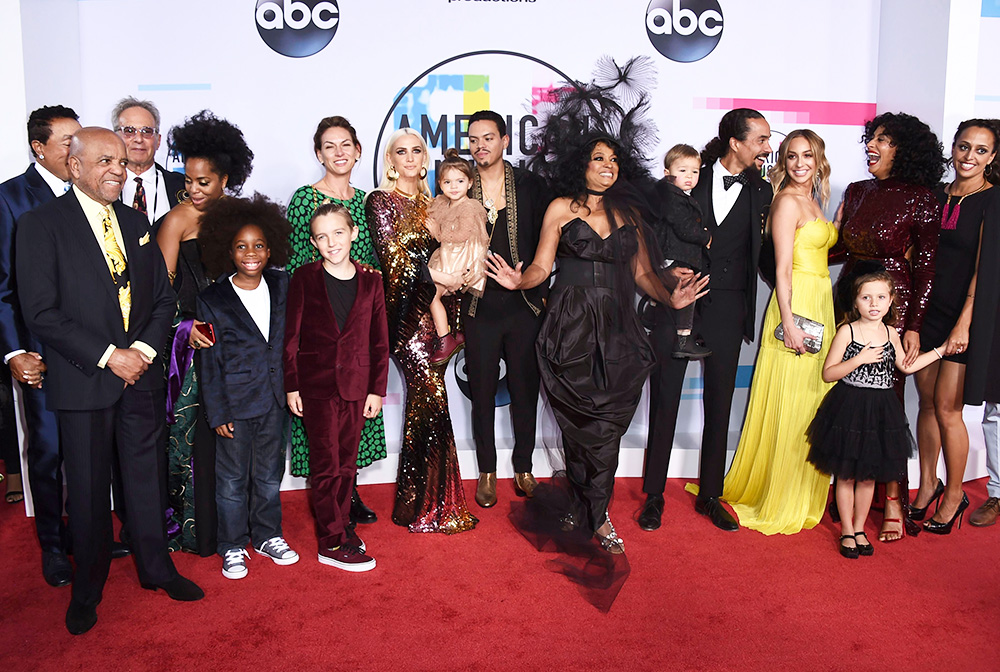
894	219
216	161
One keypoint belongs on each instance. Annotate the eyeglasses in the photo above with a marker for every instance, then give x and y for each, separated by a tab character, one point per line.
130	131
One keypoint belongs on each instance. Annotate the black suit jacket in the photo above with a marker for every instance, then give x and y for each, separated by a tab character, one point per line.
18	195
242	372
70	303
760	202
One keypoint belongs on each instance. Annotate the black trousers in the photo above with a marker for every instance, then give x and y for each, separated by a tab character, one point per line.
44	470
504	327
721	321
132	430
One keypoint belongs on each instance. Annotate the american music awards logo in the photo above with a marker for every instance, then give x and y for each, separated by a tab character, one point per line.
438	104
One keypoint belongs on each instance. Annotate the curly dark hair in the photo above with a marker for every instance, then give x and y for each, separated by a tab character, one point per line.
919	155
205	136
40	122
992	172
224	219
734	124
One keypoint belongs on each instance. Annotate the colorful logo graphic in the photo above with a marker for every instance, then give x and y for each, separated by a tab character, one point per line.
297	28
684	30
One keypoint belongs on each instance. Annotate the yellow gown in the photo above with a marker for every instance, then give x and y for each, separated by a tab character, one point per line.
770	485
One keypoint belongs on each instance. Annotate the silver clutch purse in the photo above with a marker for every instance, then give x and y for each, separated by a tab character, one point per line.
813	329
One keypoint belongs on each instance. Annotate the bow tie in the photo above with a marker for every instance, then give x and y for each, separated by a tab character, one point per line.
730	180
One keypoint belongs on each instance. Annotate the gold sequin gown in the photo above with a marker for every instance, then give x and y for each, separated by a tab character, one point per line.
429	494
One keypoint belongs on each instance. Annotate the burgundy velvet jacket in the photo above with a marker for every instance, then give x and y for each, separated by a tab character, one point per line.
320	360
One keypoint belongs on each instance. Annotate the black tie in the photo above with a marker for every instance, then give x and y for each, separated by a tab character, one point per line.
730	180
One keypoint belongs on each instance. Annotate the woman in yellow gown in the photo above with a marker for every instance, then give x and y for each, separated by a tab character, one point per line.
770	485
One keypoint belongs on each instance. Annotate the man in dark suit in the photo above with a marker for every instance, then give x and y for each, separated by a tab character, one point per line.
93	289
734	200
50	130
149	187
504	324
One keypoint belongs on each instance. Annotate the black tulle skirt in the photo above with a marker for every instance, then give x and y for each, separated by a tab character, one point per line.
860	433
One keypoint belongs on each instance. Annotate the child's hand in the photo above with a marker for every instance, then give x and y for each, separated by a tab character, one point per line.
373	404
869	354
225	431
294	403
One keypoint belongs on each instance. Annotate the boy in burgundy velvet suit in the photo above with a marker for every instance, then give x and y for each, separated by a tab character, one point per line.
336	364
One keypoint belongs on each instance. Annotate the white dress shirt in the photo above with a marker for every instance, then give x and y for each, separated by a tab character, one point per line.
157	200
723	200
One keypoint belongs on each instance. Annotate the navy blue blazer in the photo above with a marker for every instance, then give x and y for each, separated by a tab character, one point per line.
18	195
70	303
241	375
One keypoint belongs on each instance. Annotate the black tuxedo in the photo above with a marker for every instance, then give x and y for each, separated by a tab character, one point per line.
70	303
18	195
725	317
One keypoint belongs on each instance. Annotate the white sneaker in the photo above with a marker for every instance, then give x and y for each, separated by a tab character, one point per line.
278	550
234	564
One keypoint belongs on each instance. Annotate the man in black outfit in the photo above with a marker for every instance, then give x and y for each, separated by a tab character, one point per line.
734	200
503	323
94	290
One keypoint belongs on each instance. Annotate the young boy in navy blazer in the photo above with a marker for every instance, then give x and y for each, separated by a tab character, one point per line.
336	366
241	375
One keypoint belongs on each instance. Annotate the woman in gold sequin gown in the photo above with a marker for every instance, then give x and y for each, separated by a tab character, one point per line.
429	494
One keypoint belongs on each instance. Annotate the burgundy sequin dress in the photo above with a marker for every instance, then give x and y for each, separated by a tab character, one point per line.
882	220
429	494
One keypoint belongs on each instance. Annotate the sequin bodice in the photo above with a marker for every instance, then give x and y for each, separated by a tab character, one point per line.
882	220
880	375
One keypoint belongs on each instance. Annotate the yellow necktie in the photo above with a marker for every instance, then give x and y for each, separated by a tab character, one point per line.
118	268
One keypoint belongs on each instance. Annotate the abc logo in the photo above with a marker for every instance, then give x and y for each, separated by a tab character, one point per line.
684	30
297	28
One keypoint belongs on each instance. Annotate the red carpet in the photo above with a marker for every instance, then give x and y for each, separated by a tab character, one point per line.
697	599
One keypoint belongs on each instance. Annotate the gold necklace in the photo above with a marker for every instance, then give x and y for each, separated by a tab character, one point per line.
491	209
405	195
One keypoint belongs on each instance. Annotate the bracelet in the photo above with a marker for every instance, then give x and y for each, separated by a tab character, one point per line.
938	353
971	296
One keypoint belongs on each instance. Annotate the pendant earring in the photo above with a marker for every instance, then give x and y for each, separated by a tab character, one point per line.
392	173
988	170
423	172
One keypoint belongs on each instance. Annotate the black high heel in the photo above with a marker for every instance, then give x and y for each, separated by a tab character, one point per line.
919	514
934	527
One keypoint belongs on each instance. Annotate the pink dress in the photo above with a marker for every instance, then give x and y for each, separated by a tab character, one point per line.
461	230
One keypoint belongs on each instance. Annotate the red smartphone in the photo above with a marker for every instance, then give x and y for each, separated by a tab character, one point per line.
206	330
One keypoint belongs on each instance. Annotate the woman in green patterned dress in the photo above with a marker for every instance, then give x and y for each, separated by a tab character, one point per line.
337	149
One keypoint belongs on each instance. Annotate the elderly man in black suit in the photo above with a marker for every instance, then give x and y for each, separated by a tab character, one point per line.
94	290
734	200
149	187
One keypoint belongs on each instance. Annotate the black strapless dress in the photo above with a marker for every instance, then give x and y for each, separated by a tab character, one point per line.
594	358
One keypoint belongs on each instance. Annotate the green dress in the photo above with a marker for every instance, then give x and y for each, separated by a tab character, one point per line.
301	207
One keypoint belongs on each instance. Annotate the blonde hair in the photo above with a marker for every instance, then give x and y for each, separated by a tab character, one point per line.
821	182
388	183
681	151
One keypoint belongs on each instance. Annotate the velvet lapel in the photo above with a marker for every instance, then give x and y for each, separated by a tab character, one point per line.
236	306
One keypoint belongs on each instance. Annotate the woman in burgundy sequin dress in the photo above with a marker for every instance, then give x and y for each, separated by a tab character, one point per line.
894	219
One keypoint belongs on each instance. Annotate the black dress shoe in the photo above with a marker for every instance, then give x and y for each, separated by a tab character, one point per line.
119	549
360	513
652	510
56	569
80	618
713	508
178	588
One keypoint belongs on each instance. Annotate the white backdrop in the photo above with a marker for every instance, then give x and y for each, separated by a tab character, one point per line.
810	64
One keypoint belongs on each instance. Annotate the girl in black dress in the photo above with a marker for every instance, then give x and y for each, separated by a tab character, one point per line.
940	424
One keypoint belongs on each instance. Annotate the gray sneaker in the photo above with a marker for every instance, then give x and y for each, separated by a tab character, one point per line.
234	565
278	550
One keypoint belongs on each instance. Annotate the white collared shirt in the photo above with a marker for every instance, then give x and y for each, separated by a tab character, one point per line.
723	200
157	200
57	186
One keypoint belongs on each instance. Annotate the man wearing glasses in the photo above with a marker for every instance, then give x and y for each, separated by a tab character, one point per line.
149	188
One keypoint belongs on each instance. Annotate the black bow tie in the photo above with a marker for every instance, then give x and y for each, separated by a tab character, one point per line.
730	180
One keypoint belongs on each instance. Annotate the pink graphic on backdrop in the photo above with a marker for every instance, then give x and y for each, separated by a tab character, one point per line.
797	111
543	94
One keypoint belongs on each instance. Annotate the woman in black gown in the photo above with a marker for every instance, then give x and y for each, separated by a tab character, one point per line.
593	354
940	425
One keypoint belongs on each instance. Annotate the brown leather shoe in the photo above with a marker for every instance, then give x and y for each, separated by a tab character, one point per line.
525	483
486	490
986	514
